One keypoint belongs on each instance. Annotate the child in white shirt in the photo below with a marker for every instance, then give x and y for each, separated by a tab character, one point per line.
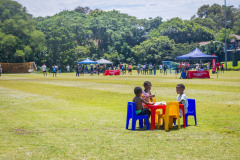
182	98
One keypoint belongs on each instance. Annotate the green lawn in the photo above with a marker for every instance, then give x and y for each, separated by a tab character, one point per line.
229	65
84	117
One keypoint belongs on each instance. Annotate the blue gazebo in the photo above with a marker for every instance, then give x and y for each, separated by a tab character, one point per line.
196	54
87	61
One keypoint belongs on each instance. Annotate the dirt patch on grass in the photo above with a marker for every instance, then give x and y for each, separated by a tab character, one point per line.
21	131
229	127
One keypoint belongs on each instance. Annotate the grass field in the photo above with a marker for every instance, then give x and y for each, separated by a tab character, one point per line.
84	117
229	65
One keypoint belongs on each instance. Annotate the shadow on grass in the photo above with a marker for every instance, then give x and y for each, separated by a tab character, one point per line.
175	128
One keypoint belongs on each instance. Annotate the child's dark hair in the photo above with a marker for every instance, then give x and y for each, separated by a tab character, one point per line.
147	83
181	86
137	90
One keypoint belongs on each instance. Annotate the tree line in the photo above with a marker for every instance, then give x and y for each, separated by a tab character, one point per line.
71	36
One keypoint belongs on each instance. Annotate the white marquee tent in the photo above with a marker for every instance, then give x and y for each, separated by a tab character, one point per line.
104	61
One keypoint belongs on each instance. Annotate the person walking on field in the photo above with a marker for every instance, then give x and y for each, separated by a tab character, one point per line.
68	68
208	66
91	69
59	69
165	69
160	68
154	69
77	70
0	70
146	69
44	69
150	68
130	69
103	69
138	69
120	67
222	68
98	69
54	71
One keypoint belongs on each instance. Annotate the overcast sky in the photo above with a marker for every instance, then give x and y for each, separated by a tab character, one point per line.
166	9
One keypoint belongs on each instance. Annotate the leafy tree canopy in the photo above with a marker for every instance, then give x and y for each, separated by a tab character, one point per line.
183	31
71	36
19	39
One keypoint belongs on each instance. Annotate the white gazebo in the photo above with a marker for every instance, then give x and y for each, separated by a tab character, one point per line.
104	61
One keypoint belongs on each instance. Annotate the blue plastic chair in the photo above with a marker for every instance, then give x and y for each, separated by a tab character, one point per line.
191	111
131	113
184	75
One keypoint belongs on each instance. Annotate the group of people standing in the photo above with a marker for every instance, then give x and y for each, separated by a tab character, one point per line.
185	66
145	69
54	70
124	68
97	69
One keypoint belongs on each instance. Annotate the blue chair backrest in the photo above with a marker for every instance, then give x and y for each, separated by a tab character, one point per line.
131	109
184	76
191	105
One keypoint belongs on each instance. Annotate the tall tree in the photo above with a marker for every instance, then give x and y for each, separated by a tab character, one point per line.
16	33
154	50
183	31
215	12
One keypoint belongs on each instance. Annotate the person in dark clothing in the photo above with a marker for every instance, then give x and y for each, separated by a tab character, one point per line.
77	70
165	69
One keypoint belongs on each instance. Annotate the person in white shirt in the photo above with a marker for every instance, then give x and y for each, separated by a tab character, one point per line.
197	67
144	68
150	68
208	66
68	68
160	68
44	69
182	98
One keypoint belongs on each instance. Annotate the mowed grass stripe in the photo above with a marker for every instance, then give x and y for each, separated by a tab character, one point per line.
104	88
89	97
207	84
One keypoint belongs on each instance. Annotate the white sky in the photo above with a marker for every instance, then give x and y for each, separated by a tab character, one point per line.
166	9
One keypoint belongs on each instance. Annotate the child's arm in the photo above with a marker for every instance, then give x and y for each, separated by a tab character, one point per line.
180	101
150	96
145	102
184	98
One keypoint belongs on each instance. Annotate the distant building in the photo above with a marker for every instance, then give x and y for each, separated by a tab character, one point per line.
207	42
235	41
